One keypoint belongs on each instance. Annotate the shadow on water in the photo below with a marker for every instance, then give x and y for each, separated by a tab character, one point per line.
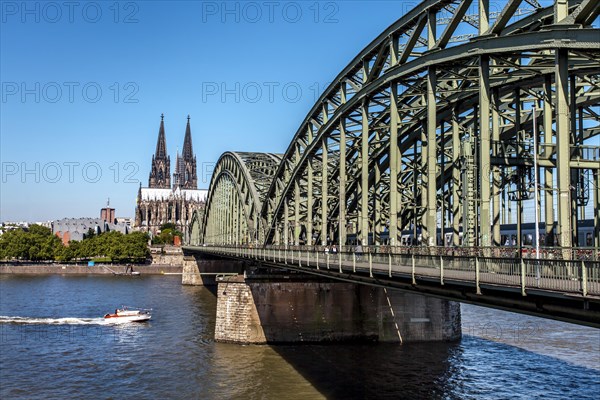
336	371
473	368
211	289
418	370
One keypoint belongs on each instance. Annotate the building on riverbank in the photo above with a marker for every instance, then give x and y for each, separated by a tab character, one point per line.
161	202
108	213
9	226
68	229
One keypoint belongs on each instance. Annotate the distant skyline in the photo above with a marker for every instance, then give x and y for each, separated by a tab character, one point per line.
84	85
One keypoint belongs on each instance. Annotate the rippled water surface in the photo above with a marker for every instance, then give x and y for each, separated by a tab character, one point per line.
69	353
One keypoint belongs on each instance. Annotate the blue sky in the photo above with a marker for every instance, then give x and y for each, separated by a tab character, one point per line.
83	89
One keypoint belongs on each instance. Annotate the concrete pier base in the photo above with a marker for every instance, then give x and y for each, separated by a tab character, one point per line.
283	312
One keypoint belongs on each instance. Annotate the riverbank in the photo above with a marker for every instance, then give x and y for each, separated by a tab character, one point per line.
98	269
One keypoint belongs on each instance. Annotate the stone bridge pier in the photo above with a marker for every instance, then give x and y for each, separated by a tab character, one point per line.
202	269
263	311
255	306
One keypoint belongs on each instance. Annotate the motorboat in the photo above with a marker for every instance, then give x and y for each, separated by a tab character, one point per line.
128	314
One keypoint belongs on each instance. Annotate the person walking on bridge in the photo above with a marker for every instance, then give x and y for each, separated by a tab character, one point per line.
358	250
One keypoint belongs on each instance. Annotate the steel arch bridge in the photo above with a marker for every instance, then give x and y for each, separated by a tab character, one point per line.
238	188
436	124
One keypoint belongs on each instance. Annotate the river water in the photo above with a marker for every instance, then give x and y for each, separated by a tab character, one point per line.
53	345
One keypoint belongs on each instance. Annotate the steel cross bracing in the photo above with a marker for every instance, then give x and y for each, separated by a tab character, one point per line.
383	149
238	187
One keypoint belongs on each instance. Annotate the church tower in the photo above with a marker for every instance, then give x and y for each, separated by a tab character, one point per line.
160	176
185	175
160	203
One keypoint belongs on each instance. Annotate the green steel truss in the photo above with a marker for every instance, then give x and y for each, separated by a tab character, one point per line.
237	190
432	127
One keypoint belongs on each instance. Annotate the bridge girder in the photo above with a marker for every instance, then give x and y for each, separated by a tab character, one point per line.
397	120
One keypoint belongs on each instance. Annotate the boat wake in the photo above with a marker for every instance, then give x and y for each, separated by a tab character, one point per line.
56	321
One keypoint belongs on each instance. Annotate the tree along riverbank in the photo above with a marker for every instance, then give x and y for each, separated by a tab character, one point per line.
37	243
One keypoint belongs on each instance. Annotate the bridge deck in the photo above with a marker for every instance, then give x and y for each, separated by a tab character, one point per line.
560	289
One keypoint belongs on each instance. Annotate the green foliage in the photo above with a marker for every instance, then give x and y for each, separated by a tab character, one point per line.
40	230
38	243
90	234
167	234
168	225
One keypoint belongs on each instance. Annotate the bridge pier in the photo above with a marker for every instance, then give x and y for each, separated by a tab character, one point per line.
259	312
201	270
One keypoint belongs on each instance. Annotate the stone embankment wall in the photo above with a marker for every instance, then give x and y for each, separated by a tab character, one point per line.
165	259
41	269
280	312
167	255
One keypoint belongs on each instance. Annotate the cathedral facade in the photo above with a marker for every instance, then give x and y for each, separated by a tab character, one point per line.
165	200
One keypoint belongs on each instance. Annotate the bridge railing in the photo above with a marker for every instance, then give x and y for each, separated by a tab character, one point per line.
527	252
476	266
556	253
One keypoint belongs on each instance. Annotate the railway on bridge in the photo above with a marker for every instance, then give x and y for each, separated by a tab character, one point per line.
453	124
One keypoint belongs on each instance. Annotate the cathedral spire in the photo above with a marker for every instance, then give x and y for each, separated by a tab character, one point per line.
160	175
185	168
188	153
161	143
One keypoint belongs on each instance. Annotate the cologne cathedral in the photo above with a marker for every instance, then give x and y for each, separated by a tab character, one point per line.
161	202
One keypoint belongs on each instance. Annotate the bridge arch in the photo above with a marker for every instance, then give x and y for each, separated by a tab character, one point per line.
431	127
194	237
405	121
237	189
